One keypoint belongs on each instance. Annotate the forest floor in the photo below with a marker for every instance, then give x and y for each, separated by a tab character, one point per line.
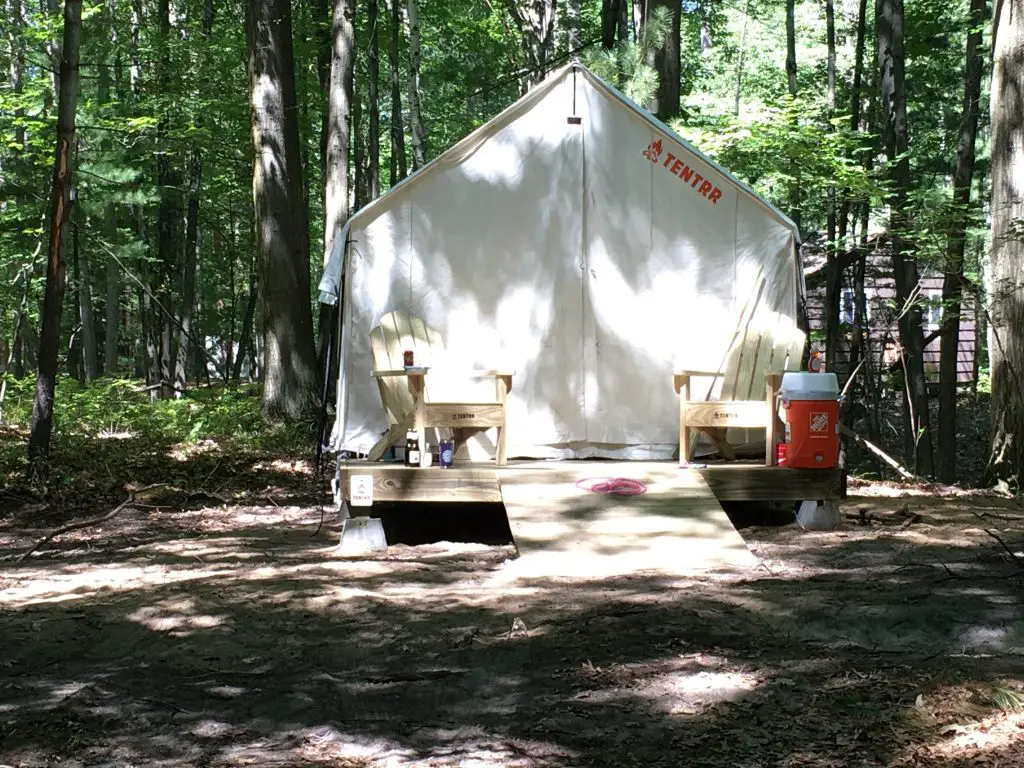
211	627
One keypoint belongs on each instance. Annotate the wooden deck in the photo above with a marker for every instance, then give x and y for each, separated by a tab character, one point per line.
560	529
483	482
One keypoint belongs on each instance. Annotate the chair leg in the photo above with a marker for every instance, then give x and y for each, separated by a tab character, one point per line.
395	431
499	454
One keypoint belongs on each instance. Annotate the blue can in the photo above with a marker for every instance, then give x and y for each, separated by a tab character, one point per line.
446	454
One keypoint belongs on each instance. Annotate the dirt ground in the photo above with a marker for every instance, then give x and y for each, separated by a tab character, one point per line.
195	631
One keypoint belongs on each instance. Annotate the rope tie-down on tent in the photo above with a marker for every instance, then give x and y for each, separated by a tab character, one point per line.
575	255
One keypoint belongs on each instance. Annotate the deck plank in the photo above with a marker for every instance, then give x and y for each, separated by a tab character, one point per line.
480	482
561	530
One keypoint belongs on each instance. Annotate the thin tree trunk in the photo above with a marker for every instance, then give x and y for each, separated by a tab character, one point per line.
889	33
856	94
572	25
963	175
60	208
418	134
358	152
1006	268
372	82
665	103
791	47
609	21
282	229
322	10
168	214
74	354
833	273
399	167
90	349
245	337
190	264
740	57
188	276
794	189
535	20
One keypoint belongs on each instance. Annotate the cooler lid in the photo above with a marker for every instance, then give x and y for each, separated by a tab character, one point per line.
809	386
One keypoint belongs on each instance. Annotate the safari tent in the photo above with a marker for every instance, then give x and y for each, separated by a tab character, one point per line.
578	241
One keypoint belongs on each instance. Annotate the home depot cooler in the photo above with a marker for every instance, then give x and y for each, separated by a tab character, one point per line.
811	405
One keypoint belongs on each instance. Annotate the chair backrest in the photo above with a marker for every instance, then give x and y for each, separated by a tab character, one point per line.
397	332
758	352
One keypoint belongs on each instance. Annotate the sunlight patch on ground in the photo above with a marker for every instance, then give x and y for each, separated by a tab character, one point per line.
178	617
115	434
296	467
42	586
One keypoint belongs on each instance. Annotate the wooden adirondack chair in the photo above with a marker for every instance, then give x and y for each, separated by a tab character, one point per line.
432	394
751	379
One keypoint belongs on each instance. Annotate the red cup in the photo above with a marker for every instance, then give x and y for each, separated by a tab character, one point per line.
408	358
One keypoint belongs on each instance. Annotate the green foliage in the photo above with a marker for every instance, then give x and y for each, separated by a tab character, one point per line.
786	146
121	410
629	63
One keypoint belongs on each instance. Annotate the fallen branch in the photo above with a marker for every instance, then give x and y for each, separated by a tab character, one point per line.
90	522
903	471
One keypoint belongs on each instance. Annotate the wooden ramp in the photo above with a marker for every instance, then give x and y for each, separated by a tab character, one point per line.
560	529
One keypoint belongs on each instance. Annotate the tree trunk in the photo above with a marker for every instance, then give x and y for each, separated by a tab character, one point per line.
90	350
168	215
572	25
1006	331
188	275
609	22
372	82
191	261
60	208
794	189
418	134
322	11
856	93
399	167
791	47
665	103
963	175
740	57
535	20
339	116
245	337
889	34
282	229
358	151
833	273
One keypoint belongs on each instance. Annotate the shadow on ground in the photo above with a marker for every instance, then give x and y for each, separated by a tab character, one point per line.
234	637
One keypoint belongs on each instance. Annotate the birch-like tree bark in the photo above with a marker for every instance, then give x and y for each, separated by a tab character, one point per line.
416	130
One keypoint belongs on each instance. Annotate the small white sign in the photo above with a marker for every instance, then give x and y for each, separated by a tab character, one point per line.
360	490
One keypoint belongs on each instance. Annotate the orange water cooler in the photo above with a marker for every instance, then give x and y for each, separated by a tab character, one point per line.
810	402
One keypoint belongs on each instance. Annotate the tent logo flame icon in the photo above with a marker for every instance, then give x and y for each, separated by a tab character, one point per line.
653	151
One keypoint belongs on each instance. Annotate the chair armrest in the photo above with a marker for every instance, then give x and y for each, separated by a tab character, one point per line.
417	371
469	373
698	373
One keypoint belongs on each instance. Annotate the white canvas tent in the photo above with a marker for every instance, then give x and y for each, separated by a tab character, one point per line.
579	241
